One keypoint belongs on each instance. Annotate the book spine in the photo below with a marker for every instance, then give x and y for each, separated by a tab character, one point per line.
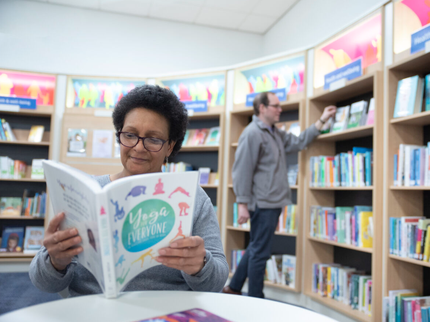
105	233
417	166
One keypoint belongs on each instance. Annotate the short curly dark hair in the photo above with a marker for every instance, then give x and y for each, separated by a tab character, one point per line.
159	100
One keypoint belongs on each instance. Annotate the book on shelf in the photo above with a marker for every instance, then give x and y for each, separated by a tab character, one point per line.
411	165
287	220
204	175
37	169
33	240
236	256
351	169
277	268
395	308
176	167
294	128
340	119
409	96
344	225
213	136
343	284
198	137
427	93
281	269
36	133
19	169
77	142
327	126
125	223
12	239
34	206
292	173
357	114
10	206
236	224
191	315
371	113
7	133
289	270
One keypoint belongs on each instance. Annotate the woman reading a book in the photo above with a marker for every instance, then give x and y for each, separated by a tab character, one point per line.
150	123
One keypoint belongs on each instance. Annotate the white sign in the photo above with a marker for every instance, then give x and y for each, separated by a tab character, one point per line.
103	113
9	108
102	143
337	84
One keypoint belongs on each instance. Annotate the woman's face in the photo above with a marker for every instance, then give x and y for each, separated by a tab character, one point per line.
145	123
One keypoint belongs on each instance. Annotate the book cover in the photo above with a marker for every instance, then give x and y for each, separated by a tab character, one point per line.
277	267
10	136
366	238
427	93
340	119
37	169
327	126
196	315
289	270
33	240
204	175
371	113
199	137
36	133
12	239
76	142
358	109
125	223
407	92
294	129
10	206
213	136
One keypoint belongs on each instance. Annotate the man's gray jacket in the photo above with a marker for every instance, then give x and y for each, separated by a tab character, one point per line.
260	167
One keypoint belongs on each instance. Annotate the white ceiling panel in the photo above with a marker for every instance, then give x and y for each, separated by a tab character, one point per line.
244	6
174	11
131	7
257	24
273	8
93	4
220	18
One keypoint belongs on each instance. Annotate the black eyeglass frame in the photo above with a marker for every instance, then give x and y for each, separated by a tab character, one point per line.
139	138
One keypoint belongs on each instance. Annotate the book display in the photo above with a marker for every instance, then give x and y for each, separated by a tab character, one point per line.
289	88
27	114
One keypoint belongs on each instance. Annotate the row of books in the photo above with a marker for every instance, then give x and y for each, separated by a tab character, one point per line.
344	225
204	172
287	220
411	165
196	137
24	207
351	169
17	169
413	96
236	224
406	306
6	133
351	116
343	284
409	237
15	241
281	269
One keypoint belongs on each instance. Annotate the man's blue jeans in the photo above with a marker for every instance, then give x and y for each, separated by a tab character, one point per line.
253	263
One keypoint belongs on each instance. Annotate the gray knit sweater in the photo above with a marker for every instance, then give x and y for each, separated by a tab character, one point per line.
80	281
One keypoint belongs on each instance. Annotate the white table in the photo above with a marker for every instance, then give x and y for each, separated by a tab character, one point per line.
135	306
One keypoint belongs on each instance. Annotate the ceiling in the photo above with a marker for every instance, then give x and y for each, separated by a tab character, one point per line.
256	16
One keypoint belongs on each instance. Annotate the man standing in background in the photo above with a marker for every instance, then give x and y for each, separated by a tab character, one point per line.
261	186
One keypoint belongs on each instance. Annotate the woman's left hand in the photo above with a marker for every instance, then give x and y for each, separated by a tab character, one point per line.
185	254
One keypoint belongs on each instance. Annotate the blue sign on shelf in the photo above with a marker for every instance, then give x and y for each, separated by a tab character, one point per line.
27	103
419	39
350	71
196	106
280	92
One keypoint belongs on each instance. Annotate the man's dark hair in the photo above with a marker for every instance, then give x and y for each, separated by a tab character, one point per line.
262	98
157	99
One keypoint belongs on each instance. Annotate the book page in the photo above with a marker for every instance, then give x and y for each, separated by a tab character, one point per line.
74	193
148	212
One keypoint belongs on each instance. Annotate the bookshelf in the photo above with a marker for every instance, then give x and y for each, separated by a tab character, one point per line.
21	121
400	272
293	109
324	251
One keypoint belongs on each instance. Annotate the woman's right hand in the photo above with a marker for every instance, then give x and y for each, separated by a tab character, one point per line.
59	243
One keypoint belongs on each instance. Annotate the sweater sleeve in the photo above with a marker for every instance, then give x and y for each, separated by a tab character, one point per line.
214	274
294	143
246	159
45	277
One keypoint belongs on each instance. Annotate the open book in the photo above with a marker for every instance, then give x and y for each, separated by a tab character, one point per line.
124	224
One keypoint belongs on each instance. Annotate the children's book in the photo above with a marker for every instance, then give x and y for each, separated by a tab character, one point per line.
427	93
340	119
36	133
196	315
357	115
10	206
125	223
204	175
33	240
213	136
199	137
37	169
371	113
12	239
409	96
289	270
77	142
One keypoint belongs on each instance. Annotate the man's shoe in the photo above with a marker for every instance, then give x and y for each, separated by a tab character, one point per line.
228	290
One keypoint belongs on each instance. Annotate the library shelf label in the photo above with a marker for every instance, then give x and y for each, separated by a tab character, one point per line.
16	103
190	112
280	92
420	39
337	84
348	72
9	108
103	113
196	106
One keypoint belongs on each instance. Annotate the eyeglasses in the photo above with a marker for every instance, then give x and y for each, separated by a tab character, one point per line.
130	140
275	106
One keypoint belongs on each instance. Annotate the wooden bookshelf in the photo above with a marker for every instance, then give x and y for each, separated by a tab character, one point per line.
274	285
200	148
400	272
20	218
233	237
25	143
324	251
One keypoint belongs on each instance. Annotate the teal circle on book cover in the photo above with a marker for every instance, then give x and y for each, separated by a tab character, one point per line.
146	224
